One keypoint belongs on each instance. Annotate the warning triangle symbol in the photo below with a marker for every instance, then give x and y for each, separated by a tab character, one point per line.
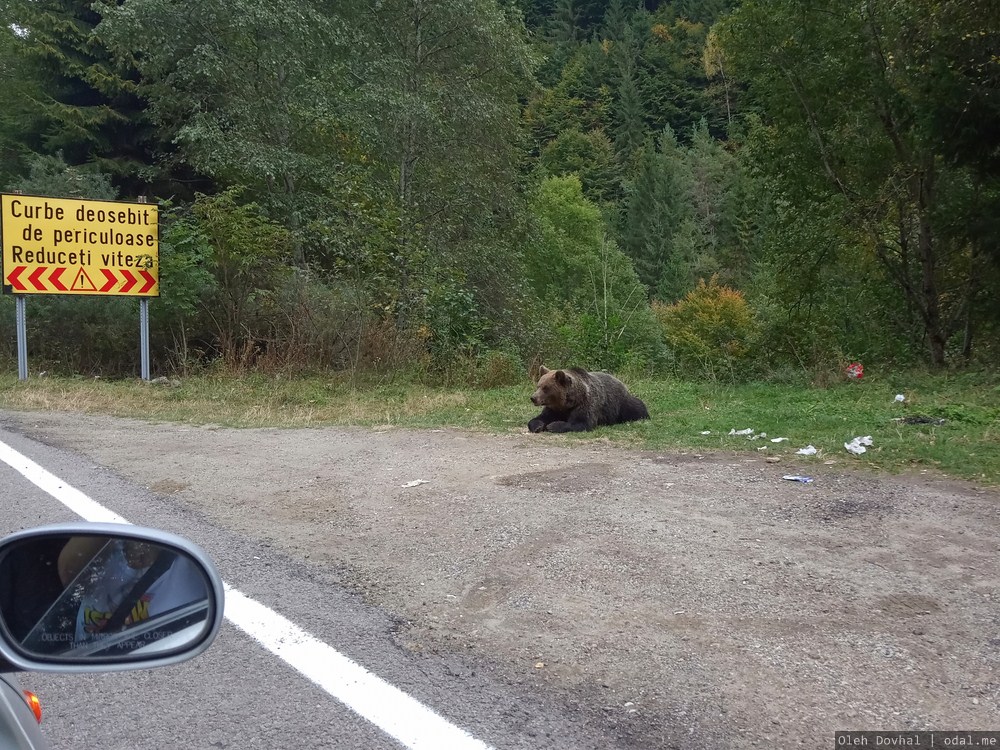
82	282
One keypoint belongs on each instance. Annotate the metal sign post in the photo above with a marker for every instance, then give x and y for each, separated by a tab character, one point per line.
144	336
22	338
144	330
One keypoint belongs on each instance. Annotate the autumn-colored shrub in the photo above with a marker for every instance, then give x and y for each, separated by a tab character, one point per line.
710	332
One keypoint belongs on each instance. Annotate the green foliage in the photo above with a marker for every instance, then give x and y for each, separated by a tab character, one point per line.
615	26
187	285
569	238
712	332
564	23
821	298
385	148
671	77
238	86
656	209
51	175
86	107
685	212
720	212
249	256
387	162
579	99
385	144
620	339
588	155
681	212
70	334
18	125
447	78
845	88
454	321
629	122
588	287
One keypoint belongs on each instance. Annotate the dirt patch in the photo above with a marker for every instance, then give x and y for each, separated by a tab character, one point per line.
168	486
580	479
687	600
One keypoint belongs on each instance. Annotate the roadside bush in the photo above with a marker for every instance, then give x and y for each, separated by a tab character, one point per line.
250	258
499	368
617	340
321	324
179	326
494	368
453	319
711	332
384	348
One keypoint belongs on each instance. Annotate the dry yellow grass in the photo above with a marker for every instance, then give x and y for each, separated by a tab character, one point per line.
256	402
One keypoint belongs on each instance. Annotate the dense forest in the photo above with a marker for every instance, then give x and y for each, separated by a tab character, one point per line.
458	189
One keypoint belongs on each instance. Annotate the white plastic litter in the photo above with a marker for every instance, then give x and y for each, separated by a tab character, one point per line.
706	432
415	482
900	398
747	431
778	440
797	478
857	445
809	450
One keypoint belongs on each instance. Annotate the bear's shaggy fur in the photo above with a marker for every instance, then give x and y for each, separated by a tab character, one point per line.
575	400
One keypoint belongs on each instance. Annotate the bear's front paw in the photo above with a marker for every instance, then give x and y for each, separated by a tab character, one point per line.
536	425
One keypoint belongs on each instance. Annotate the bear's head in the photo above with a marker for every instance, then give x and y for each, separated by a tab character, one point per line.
553	389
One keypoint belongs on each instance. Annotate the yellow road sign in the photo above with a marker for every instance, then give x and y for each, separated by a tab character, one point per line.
69	246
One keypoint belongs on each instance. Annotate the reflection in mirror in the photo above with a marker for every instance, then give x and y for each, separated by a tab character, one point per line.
109	598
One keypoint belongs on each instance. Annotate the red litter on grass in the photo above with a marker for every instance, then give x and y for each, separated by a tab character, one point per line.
855	371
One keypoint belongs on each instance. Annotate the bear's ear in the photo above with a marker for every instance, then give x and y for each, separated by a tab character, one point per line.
543	370
562	378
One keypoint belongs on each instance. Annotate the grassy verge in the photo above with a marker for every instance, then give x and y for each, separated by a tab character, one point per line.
966	445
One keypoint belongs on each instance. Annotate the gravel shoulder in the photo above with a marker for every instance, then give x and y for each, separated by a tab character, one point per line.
671	595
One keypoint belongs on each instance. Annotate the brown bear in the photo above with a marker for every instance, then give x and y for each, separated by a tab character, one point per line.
575	400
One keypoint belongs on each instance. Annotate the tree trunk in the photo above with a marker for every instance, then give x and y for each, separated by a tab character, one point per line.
408	157
937	337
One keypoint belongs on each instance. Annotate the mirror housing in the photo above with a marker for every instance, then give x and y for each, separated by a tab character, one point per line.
97	597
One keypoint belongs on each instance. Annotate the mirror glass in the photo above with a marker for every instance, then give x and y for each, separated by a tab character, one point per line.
101	598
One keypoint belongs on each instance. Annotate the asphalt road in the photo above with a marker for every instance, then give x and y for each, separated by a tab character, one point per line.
237	695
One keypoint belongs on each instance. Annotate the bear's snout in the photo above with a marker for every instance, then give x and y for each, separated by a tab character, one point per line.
535	400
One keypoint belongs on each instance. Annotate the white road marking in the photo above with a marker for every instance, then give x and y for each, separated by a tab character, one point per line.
390	709
71	497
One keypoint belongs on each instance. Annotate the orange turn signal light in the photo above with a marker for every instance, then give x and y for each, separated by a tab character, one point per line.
34	704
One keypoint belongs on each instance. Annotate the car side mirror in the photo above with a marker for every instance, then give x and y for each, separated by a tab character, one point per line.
88	597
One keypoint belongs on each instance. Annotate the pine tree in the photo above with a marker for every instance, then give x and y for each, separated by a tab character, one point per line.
88	109
656	214
564	24
616	21
17	122
629	121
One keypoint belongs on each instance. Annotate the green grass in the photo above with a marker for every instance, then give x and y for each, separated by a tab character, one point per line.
967	445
